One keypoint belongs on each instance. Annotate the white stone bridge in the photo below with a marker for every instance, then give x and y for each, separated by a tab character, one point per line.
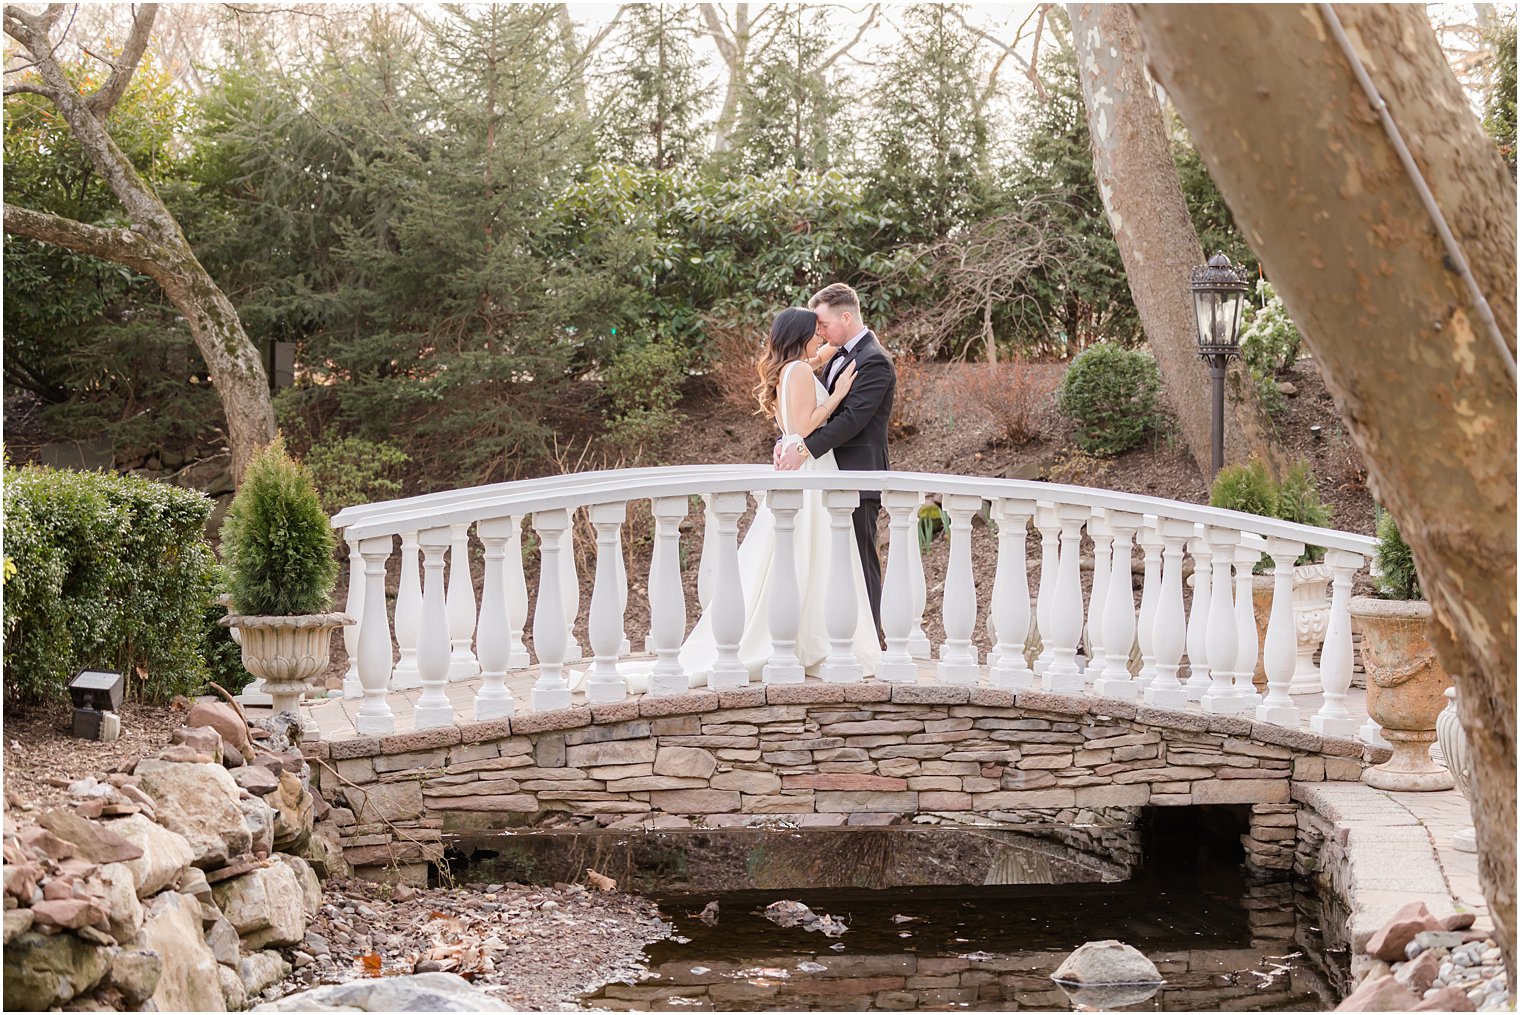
448	720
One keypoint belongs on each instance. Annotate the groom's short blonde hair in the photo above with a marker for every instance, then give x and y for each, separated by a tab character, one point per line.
837	295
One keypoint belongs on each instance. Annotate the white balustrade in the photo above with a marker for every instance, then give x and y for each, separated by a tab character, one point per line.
1103	561
433	654
1050	536
408	616
727	603
1279	654
374	715
570	590
1145	628
1168	635
550	630
667	599
1333	718
493	634
354	607
517	596
1246	649
708	564
783	666
1066	611
604	681
1220	640
1010	595
1119	610
841	610
918	640
897	592
957	656
460	605
1198	617
625	647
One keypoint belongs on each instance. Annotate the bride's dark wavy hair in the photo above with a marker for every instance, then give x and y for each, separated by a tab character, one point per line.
791	331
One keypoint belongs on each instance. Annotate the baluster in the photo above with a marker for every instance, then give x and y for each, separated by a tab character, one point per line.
1166	691
1050	534
1280	652
1150	543
1066	611
1245	625
352	688
625	647
517	596
408	616
1333	719
605	682
918	640
493	638
433	656
1010	595
1220	641
957	656
897	592
460	605
549	628
709	562
667	599
1119	610
1198	617
374	715
727	603
1103	560
570	590
841	613
783	667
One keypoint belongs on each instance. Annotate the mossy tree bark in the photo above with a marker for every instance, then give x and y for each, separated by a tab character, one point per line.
1315	183
154	245
1137	178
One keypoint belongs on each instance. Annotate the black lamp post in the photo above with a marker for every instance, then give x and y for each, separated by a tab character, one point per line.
1219	299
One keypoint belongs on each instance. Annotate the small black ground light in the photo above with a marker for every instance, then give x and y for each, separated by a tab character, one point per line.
97	695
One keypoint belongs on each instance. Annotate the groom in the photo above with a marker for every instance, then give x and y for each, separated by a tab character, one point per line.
857	432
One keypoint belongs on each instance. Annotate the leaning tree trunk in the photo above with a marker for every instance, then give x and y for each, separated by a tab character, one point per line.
154	245
1137	177
1315	183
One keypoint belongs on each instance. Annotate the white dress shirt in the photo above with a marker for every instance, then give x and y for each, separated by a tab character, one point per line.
836	364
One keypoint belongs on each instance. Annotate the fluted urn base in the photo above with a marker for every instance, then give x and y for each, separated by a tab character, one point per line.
285	652
1411	769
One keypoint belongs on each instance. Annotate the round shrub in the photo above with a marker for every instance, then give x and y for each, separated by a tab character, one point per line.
277	542
1111	393
1247	488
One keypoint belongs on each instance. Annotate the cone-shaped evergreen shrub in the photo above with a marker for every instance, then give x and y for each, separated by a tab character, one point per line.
277	543
1397	578
1247	487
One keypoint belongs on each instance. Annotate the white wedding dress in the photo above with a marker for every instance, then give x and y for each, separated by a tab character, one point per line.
756	553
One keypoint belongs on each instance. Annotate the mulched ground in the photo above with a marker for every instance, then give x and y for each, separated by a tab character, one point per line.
41	751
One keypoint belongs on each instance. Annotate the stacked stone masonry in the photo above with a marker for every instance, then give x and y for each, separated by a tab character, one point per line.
819	755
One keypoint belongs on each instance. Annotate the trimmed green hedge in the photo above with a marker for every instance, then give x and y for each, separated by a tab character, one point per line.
111	572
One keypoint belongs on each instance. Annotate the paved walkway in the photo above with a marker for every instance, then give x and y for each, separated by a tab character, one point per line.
1444	814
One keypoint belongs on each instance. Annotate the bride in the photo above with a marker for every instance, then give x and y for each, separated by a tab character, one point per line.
790	393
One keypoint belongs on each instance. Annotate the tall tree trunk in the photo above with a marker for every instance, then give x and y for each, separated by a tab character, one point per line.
154	245
734	49
1132	159
1315	183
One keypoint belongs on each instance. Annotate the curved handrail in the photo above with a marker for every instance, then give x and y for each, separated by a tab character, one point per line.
575	490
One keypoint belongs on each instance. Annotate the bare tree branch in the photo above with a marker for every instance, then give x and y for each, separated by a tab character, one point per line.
123	246
846	47
33	88
105	98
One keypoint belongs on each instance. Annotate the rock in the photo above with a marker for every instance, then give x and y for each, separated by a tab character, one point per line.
43	971
94	841
259	817
257	780
222	939
293	814
164	853
266	906
201	739
192	881
311	888
17	922
123	910
1445	999
1104	963
199	802
684	763
136	974
419	992
190	981
1428	939
223	718
1419	974
69	913
233	992
35	839
262	969
1109	997
183	755
1288	388
1458	921
1383	993
1389	943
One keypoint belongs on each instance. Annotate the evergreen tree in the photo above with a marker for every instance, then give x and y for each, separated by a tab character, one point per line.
655	97
790	114
1499	107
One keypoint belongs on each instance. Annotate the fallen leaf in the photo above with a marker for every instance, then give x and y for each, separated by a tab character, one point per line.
371	963
601	881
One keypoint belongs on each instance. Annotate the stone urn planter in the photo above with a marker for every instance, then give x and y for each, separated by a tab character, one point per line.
1453	740
1406	687
285	652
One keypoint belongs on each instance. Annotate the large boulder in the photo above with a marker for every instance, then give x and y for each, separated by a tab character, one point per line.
136	974
1413	918
263	969
266	906
199	802
293	814
1382	993
419	992
43	971
189	980
233	991
94	841
165	854
122	907
224	719
259	817
311	887
1101	963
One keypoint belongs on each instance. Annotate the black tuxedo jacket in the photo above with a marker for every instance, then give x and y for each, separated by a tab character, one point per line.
857	432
